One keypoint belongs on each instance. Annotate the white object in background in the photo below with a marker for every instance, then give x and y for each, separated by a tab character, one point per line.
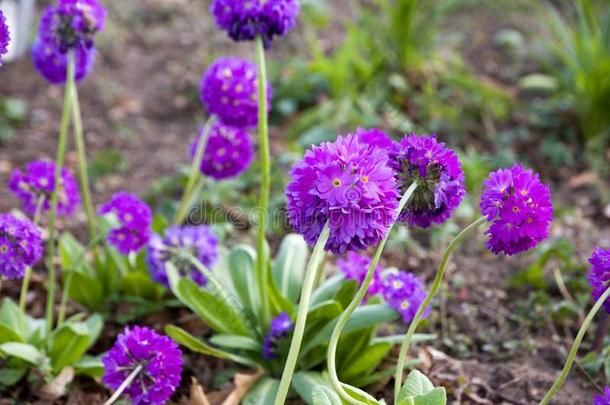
19	15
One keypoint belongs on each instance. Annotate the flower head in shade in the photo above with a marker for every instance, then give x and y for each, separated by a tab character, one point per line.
281	326
599	275
376	137
52	65
5	36
161	362
349	184
355	267
20	246
244	20
602	399
176	246
135	218
228	151
440	178
519	207
36	185
229	89
405	293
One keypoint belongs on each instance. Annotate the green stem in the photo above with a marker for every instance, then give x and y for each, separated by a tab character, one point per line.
25	285
59	162
344	318
299	327
436	284
574	349
124	385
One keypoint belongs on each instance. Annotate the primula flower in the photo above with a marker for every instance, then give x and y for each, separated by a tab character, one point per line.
440	178
281	326
135	218
599	275
20	246
52	65
355	267
376	137
405	293
243	20
175	247
229	89
5	36
37	184
349	184
519	207
228	151
161	362
603	399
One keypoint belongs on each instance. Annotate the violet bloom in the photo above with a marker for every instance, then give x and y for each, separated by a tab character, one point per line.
281	326
228	152
405	293
602	399
37	184
161	362
355	267
376	137
176	246
244	20
52	64
5	36
135	218
440	178
229	89
519	207
599	275
20	246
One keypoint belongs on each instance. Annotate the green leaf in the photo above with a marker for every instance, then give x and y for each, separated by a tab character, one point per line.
87	291
370	379
328	289
289	268
346	293
366	361
72	340
305	382
263	392
140	285
324	310
323	395
9	335
72	251
11	376
416	384
438	396
23	351
12	319
236	342
360	395
89	365
242	261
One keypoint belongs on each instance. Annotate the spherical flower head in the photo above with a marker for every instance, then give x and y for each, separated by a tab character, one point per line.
161	362
176	246
52	65
5	36
349	184
36	185
229	89
519	207
135	218
20	246
228	151
243	20
376	137
599	275
603	399
281	326
405	293
355	267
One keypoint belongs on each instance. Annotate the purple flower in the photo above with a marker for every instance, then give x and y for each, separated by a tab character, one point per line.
52	65
348	184
229	89
439	174
175	247
228	152
244	20
20	246
405	293
603	399
5	36
376	137
37	184
519	207
355	267
135	218
161	362
281	326
599	275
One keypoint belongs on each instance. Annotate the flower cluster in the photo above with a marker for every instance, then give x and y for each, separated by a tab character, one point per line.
519	206
177	246
355	267
35	186
602	399
20	246
52	64
405	293
599	275
281	326
135	218
348	184
161	362
5	36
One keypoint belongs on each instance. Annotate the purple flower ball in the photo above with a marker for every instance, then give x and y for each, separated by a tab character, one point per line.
135	218
439	174
160	358
228	152
52	65
602	399
599	275
376	137
244	20
281	326
5	36
37	184
349	184
405	293
519	207
229	89
198	241
355	267
20	246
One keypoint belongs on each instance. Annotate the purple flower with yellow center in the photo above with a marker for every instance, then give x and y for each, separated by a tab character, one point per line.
159	357
281	326
20	246
244	20
602	399
376	137
599	275
52	64
405	293
229	89
228	151
36	185
177	246
355	267
348	184
134	217
5	36
439	175
519	207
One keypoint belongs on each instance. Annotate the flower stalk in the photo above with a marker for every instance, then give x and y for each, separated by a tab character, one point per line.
124	385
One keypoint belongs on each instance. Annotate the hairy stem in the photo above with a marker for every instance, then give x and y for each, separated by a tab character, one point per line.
124	385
